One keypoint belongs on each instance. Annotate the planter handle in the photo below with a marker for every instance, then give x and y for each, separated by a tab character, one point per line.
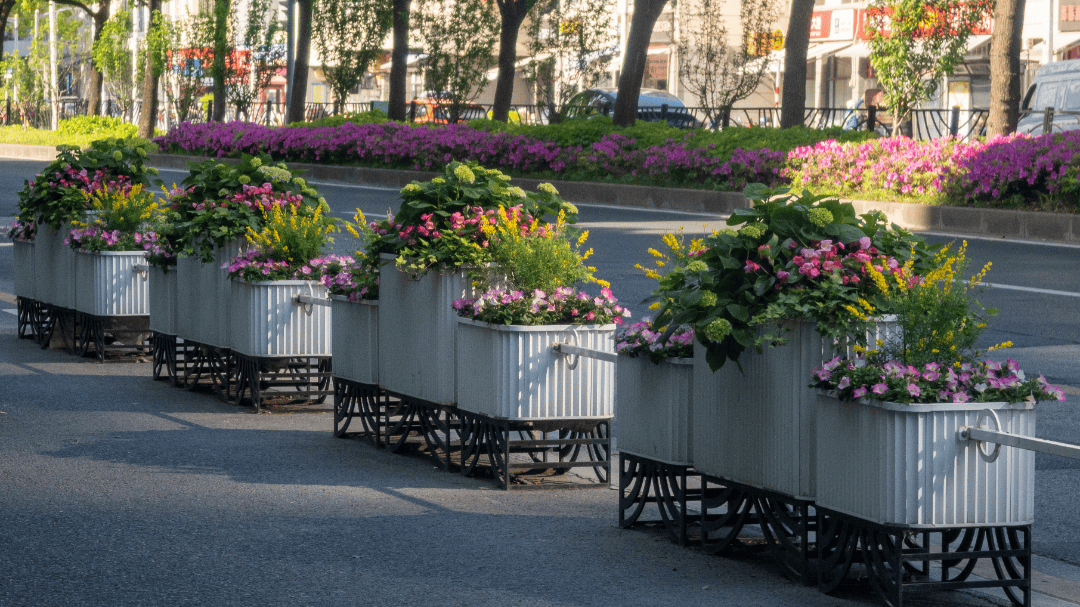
308	308
572	359
987	414
141	268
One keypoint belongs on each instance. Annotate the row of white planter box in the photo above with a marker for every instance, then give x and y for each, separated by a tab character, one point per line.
762	427
110	283
883	462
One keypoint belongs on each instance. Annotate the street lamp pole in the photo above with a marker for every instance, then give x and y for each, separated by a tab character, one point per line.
52	62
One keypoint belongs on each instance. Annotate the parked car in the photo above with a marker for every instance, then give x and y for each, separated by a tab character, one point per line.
650	106
437	111
1056	85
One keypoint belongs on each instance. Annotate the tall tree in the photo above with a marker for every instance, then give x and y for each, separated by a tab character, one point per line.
459	41
513	13
100	17
6	7
1006	77
186	42
223	50
156	50
349	38
399	57
112	56
646	12
714	72
298	85
915	43
793	101
263	54
571	43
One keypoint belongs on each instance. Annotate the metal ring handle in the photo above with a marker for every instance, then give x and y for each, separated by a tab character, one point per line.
985	415
308	308
572	359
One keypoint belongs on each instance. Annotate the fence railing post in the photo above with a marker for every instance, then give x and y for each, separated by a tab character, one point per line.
1048	120
954	121
871	117
663	111
412	111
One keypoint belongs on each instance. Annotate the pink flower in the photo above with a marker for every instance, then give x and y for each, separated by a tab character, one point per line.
880	389
859	392
913	390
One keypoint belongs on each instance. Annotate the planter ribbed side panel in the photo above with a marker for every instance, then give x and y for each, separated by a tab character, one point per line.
215	277
654	406
24	269
54	268
269	322
108	285
162	301
757	427
513	372
417	329
356	339
903	464
189	302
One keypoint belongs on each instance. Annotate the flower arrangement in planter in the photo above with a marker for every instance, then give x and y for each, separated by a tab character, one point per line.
442	230
57	195
266	319
887	447
120	218
506	366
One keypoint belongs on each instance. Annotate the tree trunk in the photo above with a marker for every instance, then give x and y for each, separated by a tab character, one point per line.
221	51
93	96
399	57
148	116
793	102
1005	75
646	12
5	12
513	14
298	93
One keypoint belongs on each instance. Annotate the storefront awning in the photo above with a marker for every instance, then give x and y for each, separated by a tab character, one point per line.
1063	41
825	49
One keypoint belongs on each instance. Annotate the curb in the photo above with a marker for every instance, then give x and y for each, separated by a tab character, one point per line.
989	223
19	151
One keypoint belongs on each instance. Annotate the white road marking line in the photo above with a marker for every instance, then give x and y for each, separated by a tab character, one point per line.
7	244
14	311
994	285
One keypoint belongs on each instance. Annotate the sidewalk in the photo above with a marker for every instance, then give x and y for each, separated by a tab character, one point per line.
118	490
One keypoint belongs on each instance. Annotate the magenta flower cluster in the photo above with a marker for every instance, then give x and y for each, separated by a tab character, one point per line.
642	338
934	382
422	148
565	305
94	238
343	275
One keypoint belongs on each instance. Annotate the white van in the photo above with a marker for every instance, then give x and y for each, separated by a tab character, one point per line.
1056	85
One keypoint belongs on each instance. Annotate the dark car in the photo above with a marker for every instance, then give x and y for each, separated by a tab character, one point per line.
653	106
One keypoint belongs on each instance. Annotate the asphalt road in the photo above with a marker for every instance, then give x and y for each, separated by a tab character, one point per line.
117	490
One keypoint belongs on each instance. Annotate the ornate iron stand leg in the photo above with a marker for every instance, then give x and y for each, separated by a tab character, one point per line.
436	422
787	524
725	509
635	481
24	313
345	405
837	543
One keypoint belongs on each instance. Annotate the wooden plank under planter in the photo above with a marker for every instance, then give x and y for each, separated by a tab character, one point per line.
512	372
899	464
654	406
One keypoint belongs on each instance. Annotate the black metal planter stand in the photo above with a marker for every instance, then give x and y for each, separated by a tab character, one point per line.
400	420
33	317
260	378
644	481
897	559
163	356
357	401
489	442
200	366
787	524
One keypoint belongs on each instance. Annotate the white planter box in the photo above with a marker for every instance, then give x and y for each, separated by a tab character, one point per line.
757	427
267	321
356	339
23	254
54	268
162	300
512	372
189	302
417	330
107	283
902	464
203	315
654	408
